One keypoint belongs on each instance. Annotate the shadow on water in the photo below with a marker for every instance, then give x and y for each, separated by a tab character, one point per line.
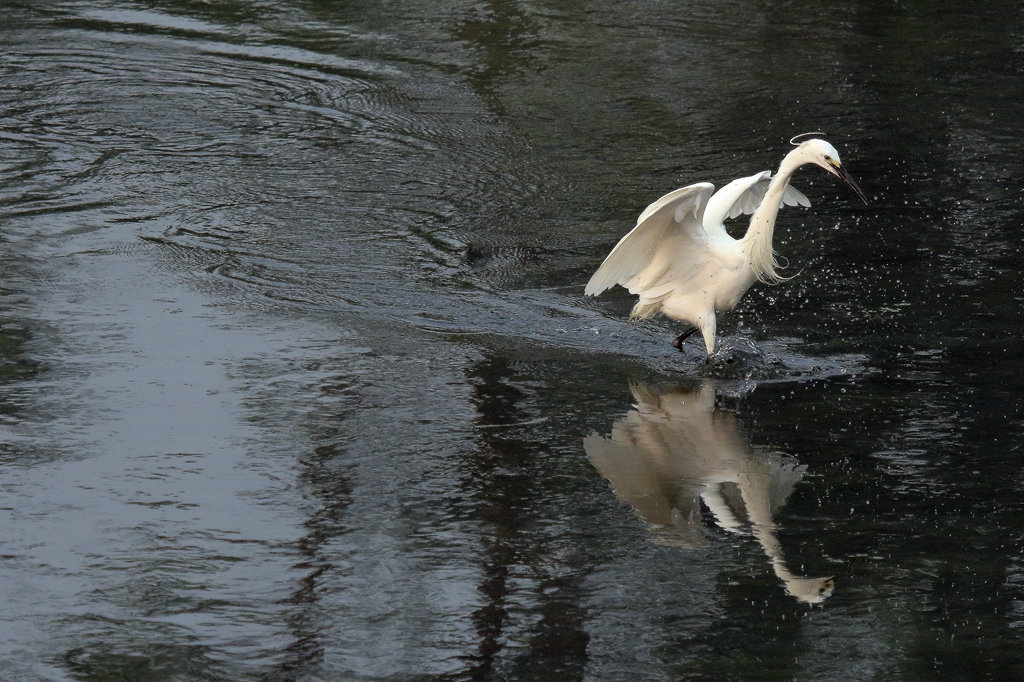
676	451
502	481
330	487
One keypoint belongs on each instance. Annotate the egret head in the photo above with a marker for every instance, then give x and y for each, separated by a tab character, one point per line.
820	152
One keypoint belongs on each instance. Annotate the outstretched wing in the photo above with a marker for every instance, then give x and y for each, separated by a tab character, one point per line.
749	200
665	232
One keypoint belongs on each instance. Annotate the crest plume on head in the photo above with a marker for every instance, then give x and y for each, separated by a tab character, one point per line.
795	140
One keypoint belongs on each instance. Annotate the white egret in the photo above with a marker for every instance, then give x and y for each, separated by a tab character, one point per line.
682	263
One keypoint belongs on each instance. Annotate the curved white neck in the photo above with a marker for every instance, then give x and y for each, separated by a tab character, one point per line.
758	240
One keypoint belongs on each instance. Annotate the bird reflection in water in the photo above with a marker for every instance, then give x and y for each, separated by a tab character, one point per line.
674	451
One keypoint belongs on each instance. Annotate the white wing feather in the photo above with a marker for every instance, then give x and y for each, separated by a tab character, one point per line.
748	202
670	228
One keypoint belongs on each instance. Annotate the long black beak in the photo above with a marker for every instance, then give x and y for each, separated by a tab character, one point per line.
848	179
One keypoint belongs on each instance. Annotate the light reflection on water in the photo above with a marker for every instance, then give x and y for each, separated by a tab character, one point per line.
295	362
675	451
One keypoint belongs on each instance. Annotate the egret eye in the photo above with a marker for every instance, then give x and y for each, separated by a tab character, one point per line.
828	158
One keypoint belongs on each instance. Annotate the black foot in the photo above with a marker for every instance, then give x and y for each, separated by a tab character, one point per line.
678	341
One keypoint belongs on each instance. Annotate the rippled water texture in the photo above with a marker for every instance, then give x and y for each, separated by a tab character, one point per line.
298	381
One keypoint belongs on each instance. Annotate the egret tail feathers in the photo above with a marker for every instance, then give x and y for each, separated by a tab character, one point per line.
644	310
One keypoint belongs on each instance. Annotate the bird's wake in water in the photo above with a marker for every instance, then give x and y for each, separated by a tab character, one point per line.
740	358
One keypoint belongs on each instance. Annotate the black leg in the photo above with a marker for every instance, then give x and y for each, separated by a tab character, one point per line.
678	341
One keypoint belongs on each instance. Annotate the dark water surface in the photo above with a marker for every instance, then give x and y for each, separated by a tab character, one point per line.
299	381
